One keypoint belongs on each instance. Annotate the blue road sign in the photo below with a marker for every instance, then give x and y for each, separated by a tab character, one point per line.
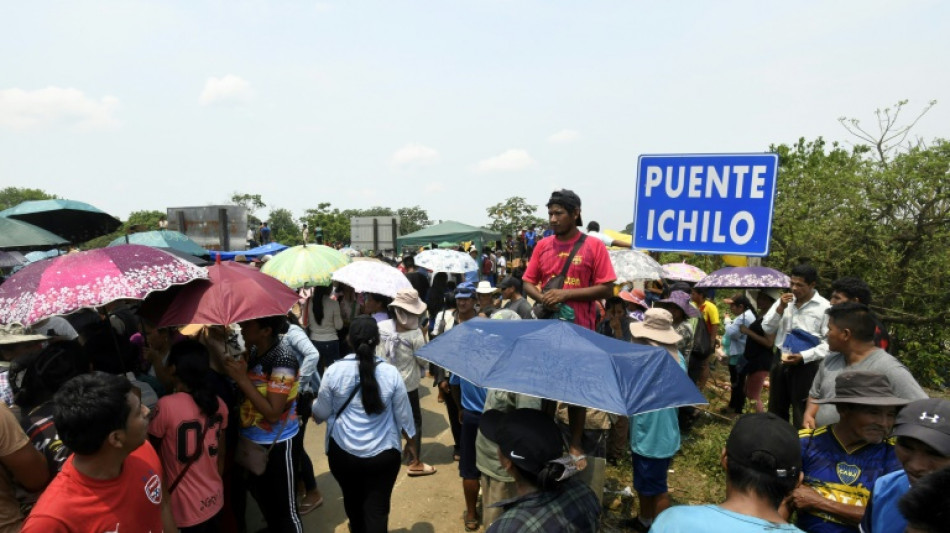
705	203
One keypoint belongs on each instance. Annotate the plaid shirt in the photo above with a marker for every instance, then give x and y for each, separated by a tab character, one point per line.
571	507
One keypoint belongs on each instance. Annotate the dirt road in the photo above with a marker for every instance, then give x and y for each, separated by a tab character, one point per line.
420	505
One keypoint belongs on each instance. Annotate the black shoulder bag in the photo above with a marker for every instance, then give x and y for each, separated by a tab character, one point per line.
557	282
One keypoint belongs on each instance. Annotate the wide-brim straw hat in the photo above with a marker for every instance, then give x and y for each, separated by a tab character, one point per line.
863	388
409	300
16	333
657	325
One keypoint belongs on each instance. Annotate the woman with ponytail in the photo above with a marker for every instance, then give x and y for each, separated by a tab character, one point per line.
187	430
364	401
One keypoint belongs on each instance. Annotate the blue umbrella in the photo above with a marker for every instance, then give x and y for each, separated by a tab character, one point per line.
562	361
162	239
33	257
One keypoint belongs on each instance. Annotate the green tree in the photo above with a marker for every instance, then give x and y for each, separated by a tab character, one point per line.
138	221
11	196
412	219
880	212
512	215
250	202
284	229
334	223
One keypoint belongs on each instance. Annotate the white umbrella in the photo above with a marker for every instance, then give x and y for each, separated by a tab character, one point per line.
449	261
372	276
631	265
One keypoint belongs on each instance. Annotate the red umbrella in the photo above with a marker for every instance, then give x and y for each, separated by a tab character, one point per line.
233	293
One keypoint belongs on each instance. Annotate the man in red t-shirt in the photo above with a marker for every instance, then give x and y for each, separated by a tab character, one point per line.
113	481
589	278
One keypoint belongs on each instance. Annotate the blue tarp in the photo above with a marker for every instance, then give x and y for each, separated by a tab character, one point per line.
270	248
562	361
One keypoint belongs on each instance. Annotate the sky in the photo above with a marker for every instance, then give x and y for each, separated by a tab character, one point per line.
453	106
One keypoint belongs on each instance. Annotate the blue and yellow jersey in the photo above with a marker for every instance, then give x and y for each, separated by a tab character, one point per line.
839	475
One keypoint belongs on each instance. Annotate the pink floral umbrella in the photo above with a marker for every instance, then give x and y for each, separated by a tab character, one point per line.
90	279
683	272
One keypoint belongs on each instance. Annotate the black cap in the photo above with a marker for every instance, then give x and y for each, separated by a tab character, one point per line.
528	437
567	199
766	443
928	421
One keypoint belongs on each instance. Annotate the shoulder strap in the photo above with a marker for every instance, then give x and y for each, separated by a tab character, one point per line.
577	246
353	393
350	399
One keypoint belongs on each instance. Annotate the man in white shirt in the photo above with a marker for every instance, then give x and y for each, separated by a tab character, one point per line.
593	229
796	315
501	266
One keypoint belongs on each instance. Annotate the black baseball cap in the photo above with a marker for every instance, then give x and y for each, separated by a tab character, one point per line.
766	443
567	199
528	437
928	421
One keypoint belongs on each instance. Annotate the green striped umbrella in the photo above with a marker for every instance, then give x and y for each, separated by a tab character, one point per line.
305	266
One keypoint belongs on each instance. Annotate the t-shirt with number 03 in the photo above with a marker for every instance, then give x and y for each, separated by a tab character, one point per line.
178	423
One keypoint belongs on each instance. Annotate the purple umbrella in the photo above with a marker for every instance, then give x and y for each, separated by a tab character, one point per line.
90	279
745	278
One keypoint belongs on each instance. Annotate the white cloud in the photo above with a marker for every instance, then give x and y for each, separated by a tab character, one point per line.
414	155
21	109
564	136
435	186
229	89
507	161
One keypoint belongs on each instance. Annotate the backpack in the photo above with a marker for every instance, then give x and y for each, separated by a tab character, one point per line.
703	346
488	266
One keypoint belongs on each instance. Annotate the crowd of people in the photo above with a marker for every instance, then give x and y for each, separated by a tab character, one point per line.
110	423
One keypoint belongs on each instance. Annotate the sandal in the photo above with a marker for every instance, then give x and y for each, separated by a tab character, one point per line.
580	461
427	470
306	507
471	525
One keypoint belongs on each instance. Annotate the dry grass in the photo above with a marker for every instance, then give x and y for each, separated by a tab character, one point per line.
696	476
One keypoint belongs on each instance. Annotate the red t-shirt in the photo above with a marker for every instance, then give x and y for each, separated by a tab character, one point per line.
130	502
590	266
